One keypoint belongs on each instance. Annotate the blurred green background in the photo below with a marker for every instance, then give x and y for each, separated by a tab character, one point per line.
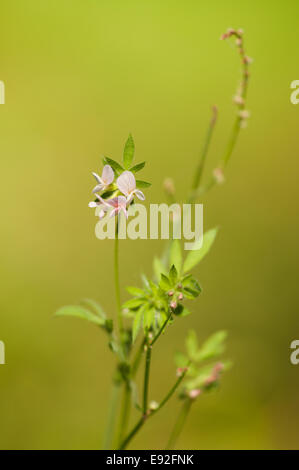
79	76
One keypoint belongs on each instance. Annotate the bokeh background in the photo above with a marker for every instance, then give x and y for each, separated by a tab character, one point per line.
80	75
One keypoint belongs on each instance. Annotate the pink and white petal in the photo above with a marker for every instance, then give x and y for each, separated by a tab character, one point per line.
139	194
113	213
102	213
126	182
122	201
125	212
93	204
106	202
98	187
107	175
112	202
98	178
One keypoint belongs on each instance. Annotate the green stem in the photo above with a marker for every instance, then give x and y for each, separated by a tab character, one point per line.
161	329
203	155
146	377
125	412
108	436
137	359
132	433
147	415
172	390
237	124
179	424
116	279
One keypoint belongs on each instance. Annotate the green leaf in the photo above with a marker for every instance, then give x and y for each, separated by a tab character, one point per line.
164	283
148	315
137	167
95	307
129	152
213	346
114	165
80	312
191	344
173	275
135	291
142	184
191	288
175	256
195	256
184	312
158	268
137	324
133	303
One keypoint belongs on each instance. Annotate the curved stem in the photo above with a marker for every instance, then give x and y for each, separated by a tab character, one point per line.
172	390
132	433
153	412
161	329
179	424
203	155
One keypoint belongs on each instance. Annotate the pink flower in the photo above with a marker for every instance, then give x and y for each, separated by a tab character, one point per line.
117	204
105	180
127	185
103	208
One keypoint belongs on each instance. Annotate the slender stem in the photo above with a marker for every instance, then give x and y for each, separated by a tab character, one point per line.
162	328
203	155
171	391
116	279
125	412
240	119
147	415
146	377
136	360
108	436
132	433
179	424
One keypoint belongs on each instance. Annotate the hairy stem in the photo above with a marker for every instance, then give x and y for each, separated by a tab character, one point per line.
179	424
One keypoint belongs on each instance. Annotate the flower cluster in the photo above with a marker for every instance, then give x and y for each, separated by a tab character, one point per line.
118	185
202	376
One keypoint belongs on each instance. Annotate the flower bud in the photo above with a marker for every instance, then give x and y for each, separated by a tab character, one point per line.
173	304
194	393
181	296
153	405
180	371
